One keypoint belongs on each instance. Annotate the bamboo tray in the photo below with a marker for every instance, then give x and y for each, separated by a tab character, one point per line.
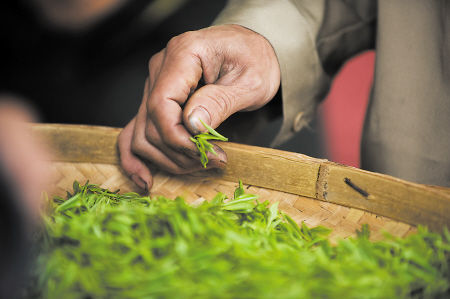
315	191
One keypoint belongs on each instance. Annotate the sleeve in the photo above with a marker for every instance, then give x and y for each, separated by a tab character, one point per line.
294	28
348	27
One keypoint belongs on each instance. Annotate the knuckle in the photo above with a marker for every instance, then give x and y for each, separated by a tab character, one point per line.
255	83
152	63
136	146
152	105
155	60
184	41
174	43
259	88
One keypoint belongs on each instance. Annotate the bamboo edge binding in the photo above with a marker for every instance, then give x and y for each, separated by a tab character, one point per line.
91	150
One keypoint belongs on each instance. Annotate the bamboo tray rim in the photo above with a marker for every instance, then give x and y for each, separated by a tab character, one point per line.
279	170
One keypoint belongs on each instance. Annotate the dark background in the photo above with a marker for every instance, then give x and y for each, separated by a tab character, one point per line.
97	76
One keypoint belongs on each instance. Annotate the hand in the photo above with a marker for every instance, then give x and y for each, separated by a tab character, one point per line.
240	73
22	157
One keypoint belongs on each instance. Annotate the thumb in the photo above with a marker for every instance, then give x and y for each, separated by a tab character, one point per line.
212	104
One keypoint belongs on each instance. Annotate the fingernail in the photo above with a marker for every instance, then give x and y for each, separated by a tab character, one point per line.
140	182
221	164
199	113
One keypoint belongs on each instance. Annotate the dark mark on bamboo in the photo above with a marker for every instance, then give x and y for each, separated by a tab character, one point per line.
356	188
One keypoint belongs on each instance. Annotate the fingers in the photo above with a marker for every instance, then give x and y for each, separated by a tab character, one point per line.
135	152
214	103
148	144
166	118
249	77
131	164
154	67
241	72
141	143
179	74
151	144
180	69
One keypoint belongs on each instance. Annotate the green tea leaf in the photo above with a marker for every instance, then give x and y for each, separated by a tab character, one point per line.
239	190
214	132
102	244
203	146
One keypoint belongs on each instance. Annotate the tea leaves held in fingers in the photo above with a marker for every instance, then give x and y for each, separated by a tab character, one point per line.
203	146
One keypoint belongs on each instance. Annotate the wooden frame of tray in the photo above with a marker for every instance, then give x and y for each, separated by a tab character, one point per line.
312	190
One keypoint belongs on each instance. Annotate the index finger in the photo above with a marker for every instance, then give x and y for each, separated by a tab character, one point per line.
180	73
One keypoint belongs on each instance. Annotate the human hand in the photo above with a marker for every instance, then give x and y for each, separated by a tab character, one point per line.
240	73
23	158
24	174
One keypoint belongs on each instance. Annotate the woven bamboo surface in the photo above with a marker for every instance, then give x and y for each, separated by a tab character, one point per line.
271	169
316	191
343	220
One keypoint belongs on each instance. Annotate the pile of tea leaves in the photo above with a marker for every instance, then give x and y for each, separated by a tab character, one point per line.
101	244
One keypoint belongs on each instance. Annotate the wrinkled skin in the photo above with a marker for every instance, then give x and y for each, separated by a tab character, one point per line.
240	72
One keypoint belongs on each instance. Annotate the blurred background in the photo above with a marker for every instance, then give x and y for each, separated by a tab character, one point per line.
85	62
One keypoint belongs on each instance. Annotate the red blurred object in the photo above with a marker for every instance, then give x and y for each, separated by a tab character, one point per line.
344	109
